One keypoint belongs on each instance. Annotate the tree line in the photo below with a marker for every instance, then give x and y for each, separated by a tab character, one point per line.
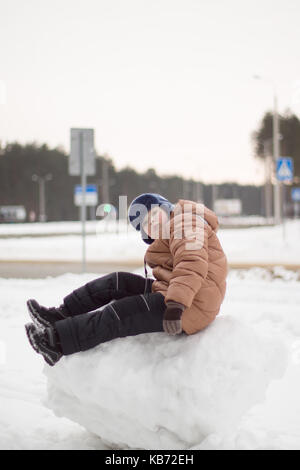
18	163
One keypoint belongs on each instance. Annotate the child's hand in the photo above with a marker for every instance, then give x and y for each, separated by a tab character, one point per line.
172	318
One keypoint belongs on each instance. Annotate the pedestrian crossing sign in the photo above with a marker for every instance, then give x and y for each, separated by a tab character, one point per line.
284	169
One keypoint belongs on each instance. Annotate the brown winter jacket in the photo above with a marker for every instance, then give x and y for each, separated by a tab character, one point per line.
189	265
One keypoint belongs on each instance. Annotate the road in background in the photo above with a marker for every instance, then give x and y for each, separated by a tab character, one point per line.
27	269
39	269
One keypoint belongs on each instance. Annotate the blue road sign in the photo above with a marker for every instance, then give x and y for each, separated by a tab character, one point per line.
296	194
284	169
90	188
91	195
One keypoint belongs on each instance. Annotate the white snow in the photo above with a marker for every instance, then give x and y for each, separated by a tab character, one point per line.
158	392
121	242
235	385
24	422
93	226
42	228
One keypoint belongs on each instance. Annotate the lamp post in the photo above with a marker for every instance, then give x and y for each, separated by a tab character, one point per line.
268	178
276	151
41	180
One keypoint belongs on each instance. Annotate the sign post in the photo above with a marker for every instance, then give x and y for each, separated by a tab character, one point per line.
82	162
284	174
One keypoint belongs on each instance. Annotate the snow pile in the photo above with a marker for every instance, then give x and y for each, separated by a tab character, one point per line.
155	391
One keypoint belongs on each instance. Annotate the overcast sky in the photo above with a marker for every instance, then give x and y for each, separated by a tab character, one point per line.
165	83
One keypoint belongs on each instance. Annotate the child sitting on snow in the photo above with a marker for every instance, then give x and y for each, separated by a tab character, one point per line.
189	268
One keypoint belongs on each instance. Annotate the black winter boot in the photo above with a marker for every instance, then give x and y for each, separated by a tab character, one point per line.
44	342
46	317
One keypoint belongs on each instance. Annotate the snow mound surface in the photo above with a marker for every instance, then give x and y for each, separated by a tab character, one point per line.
155	391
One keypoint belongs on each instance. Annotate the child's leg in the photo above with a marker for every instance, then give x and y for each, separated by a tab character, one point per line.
128	316
102	290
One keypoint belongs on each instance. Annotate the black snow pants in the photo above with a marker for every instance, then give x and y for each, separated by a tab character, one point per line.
130	308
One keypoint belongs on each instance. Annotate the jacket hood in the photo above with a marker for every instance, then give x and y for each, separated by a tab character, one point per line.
186	206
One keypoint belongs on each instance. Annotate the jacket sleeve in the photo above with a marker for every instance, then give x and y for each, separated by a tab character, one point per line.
190	267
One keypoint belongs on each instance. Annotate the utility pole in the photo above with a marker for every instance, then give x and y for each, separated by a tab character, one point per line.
105	182
268	179
42	198
83	203
214	195
276	153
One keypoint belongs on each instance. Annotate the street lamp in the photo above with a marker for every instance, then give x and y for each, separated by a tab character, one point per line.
268	178
41	180
276	138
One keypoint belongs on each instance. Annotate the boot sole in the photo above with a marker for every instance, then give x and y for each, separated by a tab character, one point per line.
35	316
35	346
28	329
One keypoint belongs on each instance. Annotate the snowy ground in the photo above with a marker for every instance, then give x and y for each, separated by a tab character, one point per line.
267	306
276	244
40	228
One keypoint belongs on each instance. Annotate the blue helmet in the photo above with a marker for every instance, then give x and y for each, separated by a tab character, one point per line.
141	205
